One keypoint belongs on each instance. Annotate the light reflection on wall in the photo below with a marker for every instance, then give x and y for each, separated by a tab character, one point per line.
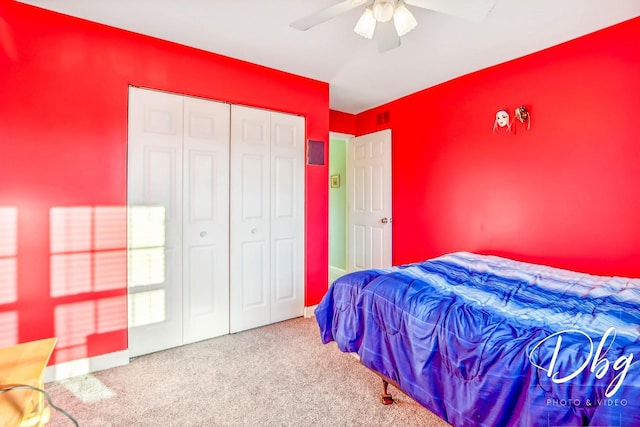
80	321
8	328
8	275
88	253
74	323
146	265
87	245
88	273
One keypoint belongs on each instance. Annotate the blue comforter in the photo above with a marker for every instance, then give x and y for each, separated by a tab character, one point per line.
487	341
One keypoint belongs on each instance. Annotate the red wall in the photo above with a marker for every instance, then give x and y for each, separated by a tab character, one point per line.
342	122
63	133
564	192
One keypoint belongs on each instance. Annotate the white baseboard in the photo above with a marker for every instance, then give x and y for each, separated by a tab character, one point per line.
308	311
335	272
63	371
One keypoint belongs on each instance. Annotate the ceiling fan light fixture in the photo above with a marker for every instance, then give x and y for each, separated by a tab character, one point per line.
366	25
383	10
403	20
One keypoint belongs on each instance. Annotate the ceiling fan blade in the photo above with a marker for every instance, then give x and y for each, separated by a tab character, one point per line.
326	14
474	10
387	36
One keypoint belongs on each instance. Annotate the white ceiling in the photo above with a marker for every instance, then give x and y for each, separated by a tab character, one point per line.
440	48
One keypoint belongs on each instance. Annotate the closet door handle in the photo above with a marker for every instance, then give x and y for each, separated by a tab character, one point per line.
254	230
203	233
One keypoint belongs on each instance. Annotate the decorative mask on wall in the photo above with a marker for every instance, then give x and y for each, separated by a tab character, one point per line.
502	121
522	114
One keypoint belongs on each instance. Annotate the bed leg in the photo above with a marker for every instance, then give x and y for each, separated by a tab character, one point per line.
385	397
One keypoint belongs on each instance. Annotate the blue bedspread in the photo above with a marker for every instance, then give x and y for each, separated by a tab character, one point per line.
487	341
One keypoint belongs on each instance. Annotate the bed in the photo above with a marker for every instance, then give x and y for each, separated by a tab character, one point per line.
482	340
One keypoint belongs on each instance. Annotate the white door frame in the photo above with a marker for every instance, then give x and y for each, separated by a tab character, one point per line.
335	272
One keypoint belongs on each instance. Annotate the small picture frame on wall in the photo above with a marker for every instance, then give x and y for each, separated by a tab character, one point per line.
335	181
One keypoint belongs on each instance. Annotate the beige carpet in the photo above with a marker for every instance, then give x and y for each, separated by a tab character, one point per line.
277	375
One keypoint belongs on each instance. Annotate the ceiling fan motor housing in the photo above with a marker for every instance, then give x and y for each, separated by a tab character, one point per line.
383	10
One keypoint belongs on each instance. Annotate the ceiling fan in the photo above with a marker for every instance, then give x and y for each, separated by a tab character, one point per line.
392	18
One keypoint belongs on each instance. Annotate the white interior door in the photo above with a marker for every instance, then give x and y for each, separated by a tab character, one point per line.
178	198
369	201
287	216
154	198
205	219
250	222
267	221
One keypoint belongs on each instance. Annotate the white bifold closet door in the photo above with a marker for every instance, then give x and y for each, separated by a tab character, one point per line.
211	250
267	217
178	233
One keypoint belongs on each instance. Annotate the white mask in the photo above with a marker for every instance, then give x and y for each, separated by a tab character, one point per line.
502	118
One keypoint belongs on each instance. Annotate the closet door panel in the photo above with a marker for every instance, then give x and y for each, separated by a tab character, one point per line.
287	216
206	219
284	257
154	198
250	245
254	287
254	197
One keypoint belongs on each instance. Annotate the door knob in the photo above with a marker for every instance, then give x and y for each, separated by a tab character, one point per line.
203	233
384	220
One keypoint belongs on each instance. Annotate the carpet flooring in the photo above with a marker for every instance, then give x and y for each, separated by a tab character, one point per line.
276	375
